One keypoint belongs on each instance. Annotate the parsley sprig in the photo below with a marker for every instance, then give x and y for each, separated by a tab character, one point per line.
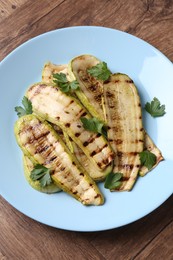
100	71
27	107
94	125
42	174
154	108
148	159
113	180
65	86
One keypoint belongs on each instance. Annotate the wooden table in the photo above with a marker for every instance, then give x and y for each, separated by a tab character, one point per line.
148	238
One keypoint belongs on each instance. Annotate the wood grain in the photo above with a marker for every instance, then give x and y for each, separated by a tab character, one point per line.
148	238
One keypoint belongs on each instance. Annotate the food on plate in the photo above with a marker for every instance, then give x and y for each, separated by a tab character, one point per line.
65	111
28	168
41	143
82	124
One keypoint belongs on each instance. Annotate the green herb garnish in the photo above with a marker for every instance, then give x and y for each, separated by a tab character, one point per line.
42	174
27	107
100	71
65	86
113	180
94	125
147	159
154	108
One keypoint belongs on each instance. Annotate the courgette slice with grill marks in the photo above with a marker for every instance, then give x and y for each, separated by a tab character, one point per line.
39	141
94	173
65	111
125	133
49	69
91	89
151	147
28	167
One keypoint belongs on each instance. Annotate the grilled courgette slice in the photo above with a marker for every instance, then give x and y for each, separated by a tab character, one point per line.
151	147
65	111
28	167
49	69
125	130
91	89
40	142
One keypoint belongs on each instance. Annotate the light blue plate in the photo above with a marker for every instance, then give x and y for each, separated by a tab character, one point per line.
153	75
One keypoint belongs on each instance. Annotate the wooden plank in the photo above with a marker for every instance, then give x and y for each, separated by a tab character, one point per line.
160	247
127	241
24	18
8	7
64	15
23	238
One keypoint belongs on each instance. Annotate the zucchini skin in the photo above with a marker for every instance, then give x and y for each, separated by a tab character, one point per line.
28	167
91	90
125	134
39	141
65	111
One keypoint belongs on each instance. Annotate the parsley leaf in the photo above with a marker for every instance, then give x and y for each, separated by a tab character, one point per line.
147	159
94	125
27	107
42	174
100	71
154	108
113	180
65	86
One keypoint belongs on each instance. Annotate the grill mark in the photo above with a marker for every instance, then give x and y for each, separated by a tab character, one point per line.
125	178
118	141
133	153
97	196
79	113
81	174
67	124
77	134
109	94
84	113
93	153
99	164
41	135
91	139
129	81
116	80
98	97
52	159
127	166
38	89
79	126
41	149
85	143
99	150
92	88
34	138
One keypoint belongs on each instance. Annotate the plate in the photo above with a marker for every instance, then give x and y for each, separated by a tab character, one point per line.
153	74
